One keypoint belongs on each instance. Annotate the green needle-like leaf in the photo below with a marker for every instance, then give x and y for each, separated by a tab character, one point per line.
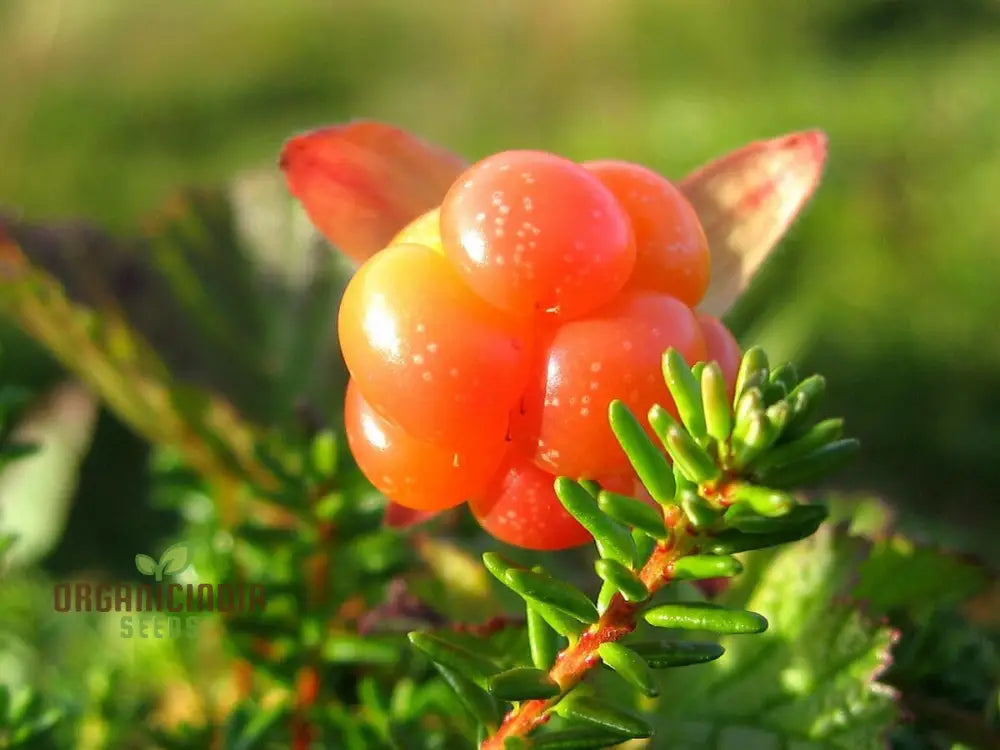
715	401
350	648
816	436
598	713
455	657
742	517
699	567
750	403
630	666
544	589
623	579
704	616
752	372
644	546
542	640
729	541
786	375
686	453
763	500
613	540
813	465
686	392
751	437
698	511
804	399
634	512
522	684
605	595
563	624
575	739
483	706
650	464
666	654
498	566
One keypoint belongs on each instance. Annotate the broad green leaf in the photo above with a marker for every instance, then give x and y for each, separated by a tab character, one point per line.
809	682
902	575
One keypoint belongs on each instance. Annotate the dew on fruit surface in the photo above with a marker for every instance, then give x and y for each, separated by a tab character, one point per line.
585	399
497	198
453	372
595	366
594	385
418	359
526	202
499	260
528	178
480	217
432	347
504	209
427	377
597	213
627	345
504	168
584	412
421	328
499	221
499	232
467	184
454	460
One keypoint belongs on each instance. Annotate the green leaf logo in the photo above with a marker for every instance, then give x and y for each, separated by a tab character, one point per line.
174	560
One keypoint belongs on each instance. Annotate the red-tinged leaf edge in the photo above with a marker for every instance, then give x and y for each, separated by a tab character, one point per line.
746	201
362	182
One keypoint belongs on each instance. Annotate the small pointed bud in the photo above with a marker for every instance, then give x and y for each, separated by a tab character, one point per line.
718	413
686	391
754	363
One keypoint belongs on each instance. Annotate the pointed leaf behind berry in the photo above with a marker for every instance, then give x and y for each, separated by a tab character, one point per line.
362	182
746	201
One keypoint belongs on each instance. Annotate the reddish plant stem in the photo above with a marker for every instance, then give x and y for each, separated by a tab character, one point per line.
618	620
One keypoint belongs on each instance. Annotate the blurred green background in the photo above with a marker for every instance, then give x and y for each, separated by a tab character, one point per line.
888	284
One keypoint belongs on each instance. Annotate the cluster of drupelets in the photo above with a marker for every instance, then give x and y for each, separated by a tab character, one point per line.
487	341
